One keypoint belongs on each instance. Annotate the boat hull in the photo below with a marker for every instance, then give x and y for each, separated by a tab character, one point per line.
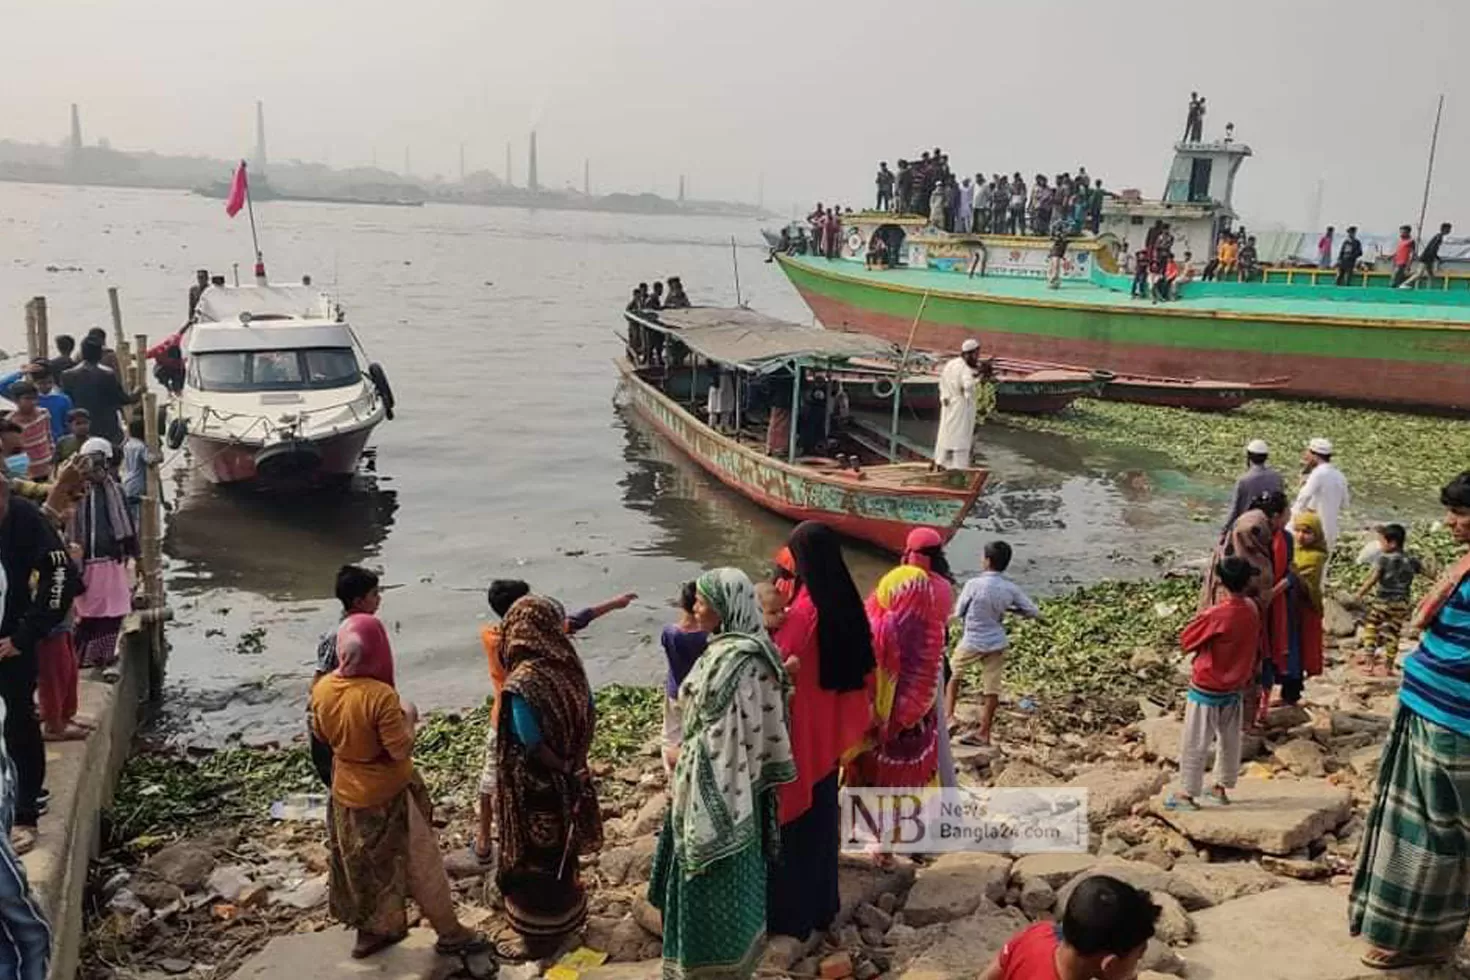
878	515
1182	396
1424	364
318	461
1013	397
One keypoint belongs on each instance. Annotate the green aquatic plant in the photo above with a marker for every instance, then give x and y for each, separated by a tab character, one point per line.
1376	450
164	793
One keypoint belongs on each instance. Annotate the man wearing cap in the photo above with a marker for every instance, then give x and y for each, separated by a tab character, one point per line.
1325	492
1258	479
958	385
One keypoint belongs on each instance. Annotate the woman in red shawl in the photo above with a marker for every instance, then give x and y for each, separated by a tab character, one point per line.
826	631
1258	536
382	845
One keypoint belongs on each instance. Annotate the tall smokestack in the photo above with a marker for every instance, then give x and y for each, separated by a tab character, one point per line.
587	177
531	183
76	128
407	168
681	188
461	163
508	181
259	138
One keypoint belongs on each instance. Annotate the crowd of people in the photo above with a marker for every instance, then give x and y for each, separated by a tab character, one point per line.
1001	205
75	473
775	692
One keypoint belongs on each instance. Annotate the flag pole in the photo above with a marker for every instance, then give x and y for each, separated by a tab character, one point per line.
254	239
1429	170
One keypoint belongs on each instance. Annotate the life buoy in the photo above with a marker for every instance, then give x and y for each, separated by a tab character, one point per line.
385	391
177	430
883	388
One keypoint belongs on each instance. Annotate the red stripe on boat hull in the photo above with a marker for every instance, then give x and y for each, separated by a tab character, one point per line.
1406	383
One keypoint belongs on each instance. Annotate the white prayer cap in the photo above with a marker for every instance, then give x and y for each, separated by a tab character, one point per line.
1257	447
969	345
97	445
1320	447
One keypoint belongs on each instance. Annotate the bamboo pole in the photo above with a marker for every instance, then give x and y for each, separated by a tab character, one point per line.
898	378
30	329
140	363
117	327
43	329
152	509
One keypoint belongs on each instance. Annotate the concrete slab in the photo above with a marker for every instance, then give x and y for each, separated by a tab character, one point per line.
1311	922
327	955
81	776
1276	816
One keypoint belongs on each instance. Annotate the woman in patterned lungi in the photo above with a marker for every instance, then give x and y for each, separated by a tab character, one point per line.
546	805
1411	894
709	876
382	845
103	527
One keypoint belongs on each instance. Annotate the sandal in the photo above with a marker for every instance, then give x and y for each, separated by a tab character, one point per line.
71	733
1391	959
1218	795
509	946
1180	802
475	944
369	943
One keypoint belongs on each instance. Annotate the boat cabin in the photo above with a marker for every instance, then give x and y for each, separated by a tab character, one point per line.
270	338
775	386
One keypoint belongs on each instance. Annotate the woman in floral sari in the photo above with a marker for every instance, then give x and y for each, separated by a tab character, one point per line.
902	749
709	876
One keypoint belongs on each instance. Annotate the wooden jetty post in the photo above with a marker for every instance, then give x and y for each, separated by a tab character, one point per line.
43	330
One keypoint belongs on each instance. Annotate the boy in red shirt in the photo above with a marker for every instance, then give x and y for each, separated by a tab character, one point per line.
1225	641
1103	933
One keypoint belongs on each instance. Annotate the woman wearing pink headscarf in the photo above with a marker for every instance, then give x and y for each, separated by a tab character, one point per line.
383	848
925	549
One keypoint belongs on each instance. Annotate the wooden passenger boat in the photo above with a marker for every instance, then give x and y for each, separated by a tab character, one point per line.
1199	394
1020	388
862	495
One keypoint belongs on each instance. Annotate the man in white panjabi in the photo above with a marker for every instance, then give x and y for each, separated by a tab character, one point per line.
959	383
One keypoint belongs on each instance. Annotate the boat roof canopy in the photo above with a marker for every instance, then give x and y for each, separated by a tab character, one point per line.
757	343
287	301
204	338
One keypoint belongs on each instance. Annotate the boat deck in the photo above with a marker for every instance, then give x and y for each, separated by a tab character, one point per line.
1085	295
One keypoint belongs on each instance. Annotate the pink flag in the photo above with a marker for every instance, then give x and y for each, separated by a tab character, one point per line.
239	187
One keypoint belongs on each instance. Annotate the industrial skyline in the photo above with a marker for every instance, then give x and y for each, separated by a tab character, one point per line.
259	161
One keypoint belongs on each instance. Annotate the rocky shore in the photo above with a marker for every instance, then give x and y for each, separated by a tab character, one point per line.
198	877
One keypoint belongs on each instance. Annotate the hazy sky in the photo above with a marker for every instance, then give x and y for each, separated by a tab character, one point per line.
812	93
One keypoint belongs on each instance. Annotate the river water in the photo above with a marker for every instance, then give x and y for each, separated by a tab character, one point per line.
508	457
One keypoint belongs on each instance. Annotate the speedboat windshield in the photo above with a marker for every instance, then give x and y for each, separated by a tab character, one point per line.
275	370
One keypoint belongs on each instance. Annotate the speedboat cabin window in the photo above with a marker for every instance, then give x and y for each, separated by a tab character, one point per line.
275	370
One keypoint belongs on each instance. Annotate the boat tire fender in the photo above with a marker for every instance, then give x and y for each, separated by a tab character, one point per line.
385	391
177	430
883	388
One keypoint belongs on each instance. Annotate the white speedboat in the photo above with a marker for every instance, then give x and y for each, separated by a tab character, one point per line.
277	388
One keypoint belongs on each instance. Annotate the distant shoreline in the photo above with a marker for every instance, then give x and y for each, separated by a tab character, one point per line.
513	197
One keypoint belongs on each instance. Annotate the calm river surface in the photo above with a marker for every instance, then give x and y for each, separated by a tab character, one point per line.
508	456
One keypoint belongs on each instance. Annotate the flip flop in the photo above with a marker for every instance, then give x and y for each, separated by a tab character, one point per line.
71	733
1177	803
365	947
1218	795
1389	959
23	840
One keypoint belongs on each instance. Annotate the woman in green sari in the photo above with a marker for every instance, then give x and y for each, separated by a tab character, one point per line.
709	876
